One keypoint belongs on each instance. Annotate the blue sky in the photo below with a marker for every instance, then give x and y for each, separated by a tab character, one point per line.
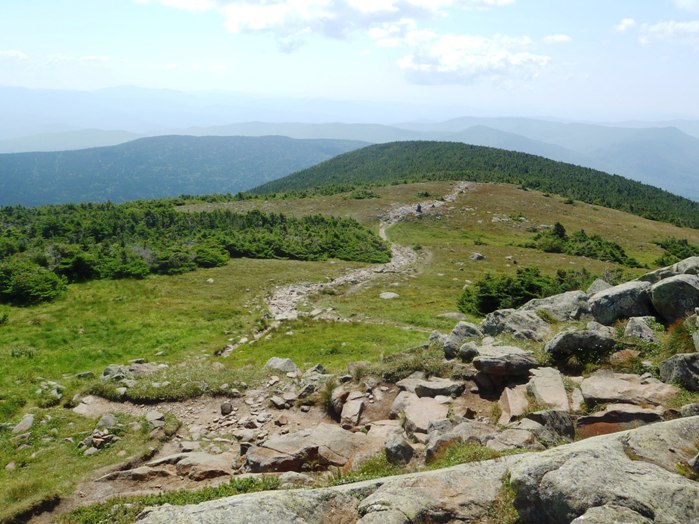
583	59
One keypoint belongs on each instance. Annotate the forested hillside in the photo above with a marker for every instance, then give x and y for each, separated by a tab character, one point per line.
43	249
158	167
415	161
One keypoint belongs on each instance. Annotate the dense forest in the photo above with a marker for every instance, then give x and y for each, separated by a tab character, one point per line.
158	167
42	249
418	161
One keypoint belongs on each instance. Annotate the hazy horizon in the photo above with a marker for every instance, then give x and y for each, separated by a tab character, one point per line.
579	60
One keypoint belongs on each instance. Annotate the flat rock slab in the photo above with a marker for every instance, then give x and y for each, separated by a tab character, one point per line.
617	417
198	465
326	444
606	386
439	386
419	412
546	385
24	425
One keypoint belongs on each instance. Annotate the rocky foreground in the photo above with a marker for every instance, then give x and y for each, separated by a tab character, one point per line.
613	445
629	477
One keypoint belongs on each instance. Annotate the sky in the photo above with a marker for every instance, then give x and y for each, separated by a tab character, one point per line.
603	60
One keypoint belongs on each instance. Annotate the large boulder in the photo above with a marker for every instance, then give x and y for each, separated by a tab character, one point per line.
571	305
682	369
688	266
630	299
521	324
504	361
462	332
675	297
597	286
606	386
585	345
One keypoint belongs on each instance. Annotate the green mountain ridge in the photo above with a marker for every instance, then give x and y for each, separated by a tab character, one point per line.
158	167
419	161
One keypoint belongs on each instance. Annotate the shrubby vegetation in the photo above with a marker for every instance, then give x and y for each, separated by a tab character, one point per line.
557	240
401	162
511	291
676	249
43	249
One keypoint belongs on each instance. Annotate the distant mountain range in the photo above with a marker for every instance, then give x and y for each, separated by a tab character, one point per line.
158	167
665	153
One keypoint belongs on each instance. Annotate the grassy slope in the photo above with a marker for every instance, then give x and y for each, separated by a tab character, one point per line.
459	231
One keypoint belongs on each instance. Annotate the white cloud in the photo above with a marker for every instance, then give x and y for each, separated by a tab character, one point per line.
557	39
330	18
670	31
625	24
463	59
13	54
688	5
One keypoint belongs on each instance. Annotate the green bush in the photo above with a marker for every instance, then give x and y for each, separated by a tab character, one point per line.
24	283
510	291
557	240
676	249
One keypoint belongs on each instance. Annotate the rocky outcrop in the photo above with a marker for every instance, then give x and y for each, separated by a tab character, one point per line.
629	476
564	483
